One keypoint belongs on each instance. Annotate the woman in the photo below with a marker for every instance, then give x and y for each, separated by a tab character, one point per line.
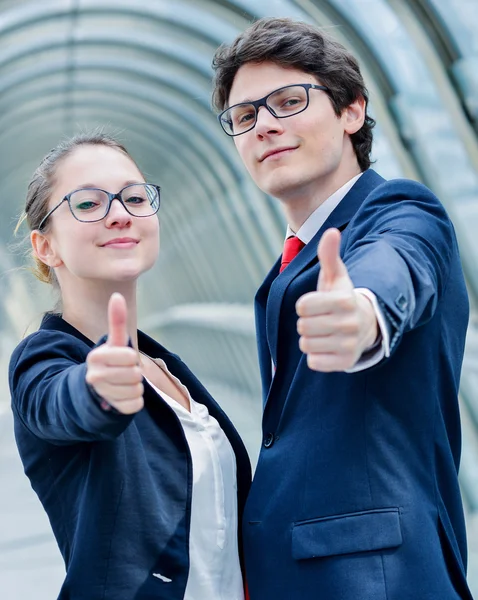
142	475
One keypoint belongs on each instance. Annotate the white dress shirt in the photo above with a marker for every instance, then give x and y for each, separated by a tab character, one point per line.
306	232
214	568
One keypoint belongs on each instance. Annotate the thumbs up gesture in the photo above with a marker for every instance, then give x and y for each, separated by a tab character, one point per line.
336	323
112	368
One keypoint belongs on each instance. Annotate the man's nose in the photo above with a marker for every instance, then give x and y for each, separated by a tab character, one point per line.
266	122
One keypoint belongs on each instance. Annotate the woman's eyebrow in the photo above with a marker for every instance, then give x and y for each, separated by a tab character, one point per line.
94	186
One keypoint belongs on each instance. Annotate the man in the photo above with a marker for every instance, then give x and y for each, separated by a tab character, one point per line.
355	495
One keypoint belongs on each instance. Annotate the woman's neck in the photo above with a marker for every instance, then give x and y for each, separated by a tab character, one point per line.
86	308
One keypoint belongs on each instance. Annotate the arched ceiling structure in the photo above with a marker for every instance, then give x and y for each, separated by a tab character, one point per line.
143	69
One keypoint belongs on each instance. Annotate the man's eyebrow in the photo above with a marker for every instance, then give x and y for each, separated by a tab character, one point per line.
249	100
245	101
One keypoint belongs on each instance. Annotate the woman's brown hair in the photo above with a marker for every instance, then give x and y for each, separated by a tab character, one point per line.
42	183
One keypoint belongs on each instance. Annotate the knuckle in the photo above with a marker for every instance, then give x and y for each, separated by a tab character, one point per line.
130	352
132	406
346	303
300	326
349	346
351	327
311	362
136	374
315	363
94	356
305	304
92	376
300	306
303	344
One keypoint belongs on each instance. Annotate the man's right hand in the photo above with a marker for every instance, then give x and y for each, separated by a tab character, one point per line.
112	368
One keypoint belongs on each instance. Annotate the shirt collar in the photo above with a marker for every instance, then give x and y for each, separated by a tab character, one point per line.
322	213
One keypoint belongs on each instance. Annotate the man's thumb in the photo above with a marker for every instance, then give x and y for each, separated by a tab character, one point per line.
117	321
332	269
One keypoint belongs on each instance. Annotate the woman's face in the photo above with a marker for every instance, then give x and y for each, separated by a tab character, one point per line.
116	249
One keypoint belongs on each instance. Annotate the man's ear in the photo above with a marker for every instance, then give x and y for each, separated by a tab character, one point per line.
353	116
43	249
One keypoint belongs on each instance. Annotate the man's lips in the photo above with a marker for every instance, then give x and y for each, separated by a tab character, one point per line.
276	151
125	242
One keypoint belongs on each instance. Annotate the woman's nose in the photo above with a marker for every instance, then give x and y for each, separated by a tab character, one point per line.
117	215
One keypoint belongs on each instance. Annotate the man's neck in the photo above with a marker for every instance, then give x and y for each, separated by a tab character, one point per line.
299	205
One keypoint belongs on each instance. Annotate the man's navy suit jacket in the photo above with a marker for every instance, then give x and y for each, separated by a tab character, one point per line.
356	494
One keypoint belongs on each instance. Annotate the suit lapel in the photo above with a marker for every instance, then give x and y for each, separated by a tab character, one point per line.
272	292
260	306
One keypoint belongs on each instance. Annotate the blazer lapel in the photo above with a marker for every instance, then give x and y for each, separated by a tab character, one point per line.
263	348
277	286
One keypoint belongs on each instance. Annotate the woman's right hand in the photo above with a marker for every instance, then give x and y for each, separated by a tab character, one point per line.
112	368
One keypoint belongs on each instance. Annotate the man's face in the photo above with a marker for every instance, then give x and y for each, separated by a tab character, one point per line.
294	156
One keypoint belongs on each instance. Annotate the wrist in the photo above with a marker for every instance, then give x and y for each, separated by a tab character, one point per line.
104	404
368	321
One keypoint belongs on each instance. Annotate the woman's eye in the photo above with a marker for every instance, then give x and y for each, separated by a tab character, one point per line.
135	200
87	205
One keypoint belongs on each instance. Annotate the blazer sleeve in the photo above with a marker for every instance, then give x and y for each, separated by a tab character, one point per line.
50	395
403	248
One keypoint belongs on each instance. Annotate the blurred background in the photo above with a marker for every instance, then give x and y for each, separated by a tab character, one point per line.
142	68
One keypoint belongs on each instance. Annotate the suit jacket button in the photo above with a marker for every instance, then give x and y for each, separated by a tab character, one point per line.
401	302
269	440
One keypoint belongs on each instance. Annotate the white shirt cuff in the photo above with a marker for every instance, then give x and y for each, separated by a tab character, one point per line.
381	348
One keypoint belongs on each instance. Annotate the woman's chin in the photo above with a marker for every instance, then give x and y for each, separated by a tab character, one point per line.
124	272
122	275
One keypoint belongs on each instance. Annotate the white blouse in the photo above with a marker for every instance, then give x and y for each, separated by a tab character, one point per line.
214	568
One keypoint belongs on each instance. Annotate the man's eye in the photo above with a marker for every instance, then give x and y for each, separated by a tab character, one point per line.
291	102
245	118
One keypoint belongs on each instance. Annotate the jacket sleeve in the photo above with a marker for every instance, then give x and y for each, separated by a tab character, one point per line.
50	394
403	248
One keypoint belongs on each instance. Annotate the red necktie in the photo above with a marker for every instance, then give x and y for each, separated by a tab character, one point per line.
292	247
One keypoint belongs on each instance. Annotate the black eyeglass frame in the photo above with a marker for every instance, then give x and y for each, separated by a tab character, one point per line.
111	197
263	102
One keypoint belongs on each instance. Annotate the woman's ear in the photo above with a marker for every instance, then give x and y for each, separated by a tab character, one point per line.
354	116
43	249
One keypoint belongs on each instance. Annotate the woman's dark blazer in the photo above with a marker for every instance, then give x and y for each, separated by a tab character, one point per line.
117	488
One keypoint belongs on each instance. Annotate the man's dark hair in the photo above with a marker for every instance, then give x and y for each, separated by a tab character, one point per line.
302	46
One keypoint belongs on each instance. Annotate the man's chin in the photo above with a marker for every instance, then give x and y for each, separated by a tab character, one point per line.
281	187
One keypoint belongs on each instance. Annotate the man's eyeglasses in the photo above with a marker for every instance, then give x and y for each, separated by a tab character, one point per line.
92	204
284	102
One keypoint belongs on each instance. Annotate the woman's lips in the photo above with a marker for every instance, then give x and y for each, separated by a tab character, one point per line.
122	243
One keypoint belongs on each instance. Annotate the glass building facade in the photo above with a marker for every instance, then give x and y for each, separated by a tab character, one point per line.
143	69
